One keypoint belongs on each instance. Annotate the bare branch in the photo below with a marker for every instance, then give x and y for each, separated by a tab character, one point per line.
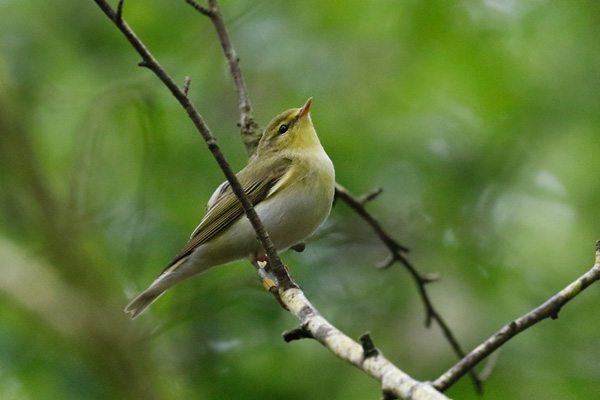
297	333
387	395
396	250
299	247
388	262
548	309
364	199
249	129
393	380
201	9
119	15
358	206
369	349
186	85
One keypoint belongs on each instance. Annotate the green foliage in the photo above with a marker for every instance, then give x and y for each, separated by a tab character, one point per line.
480	120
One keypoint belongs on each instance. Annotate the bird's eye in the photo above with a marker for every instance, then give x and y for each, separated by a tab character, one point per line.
283	129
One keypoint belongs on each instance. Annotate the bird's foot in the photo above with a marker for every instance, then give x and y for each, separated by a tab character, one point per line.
262	262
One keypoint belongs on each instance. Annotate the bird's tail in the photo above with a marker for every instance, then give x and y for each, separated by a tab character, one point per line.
143	301
164	281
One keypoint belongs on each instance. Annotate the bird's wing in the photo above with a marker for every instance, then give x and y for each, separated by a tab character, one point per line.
214	199
224	208
217	195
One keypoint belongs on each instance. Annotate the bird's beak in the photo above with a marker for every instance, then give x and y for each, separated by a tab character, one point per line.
305	108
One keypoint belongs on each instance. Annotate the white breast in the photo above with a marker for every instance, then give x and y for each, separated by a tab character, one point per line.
290	215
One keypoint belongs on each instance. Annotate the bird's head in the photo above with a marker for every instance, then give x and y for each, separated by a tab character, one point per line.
292	131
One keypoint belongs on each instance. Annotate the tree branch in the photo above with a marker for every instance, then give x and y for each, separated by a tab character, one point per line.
366	358
397	250
358	205
249	129
200	8
548	309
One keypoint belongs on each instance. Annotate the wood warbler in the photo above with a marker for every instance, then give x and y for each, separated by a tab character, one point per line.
290	181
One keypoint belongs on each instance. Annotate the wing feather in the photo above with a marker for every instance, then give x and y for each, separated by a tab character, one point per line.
214	199
224	207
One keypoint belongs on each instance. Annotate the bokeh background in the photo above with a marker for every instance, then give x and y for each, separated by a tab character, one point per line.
480	119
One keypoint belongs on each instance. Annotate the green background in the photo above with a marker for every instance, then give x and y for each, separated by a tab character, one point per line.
479	119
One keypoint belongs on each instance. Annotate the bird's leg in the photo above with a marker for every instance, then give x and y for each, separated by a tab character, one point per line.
269	281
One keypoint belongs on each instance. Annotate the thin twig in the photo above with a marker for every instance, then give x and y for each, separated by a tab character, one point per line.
297	333
369	349
186	85
201	9
548	309
388	262
119	15
396	250
151	63
356	204
387	395
364	199
249	129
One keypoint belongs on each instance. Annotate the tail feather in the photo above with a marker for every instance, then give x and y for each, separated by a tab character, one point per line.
143	301
164	281
169	277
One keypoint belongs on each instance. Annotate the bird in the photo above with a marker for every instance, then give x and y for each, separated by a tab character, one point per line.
290	182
